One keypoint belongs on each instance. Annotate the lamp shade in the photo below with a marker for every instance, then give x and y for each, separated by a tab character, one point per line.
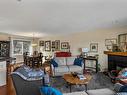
34	44
85	50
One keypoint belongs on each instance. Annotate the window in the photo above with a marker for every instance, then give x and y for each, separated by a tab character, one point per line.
19	47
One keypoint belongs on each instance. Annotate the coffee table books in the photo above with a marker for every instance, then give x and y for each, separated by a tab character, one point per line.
81	76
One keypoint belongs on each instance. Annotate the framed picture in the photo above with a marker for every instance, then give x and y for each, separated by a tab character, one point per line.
41	43
53	46
110	42
47	45
64	45
17	47
57	45
94	47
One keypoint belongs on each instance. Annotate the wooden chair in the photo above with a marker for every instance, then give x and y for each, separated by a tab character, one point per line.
40	59
26	58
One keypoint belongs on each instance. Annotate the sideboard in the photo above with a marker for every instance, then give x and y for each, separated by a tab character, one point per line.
116	59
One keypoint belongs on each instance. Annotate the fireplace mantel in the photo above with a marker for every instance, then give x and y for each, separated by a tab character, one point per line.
116	59
115	53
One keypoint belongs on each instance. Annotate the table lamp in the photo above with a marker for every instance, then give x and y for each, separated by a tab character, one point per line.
85	52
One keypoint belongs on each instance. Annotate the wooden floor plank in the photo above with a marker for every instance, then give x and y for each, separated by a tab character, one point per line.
10	87
3	90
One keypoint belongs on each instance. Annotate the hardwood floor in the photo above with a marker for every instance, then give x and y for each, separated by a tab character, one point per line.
3	90
10	87
7	89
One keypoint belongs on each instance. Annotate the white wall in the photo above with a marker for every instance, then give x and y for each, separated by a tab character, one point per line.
83	39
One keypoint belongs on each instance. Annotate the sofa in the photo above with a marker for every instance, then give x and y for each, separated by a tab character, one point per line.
66	65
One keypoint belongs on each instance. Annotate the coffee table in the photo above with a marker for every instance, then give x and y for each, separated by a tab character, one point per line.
74	80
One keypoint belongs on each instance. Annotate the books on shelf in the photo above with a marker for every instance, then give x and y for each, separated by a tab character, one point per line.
81	76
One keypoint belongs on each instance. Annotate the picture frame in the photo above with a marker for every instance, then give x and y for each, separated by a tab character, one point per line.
47	45
64	45
17	47
41	43
53	46
94	47
110	42
57	45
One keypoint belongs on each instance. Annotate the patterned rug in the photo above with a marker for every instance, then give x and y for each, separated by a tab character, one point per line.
99	80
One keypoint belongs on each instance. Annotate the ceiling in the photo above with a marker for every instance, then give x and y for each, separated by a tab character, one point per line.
59	17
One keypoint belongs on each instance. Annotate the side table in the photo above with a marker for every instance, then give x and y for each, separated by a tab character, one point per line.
91	58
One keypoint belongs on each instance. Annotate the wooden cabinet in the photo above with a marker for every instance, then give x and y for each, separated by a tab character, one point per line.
4	48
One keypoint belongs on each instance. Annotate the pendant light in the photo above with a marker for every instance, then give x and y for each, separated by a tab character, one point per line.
34	44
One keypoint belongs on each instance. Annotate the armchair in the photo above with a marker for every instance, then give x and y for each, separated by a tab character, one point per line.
24	87
117	75
27	81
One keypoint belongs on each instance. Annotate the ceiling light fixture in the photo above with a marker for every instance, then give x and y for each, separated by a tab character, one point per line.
34	44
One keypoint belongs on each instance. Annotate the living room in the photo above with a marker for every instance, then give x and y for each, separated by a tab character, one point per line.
79	29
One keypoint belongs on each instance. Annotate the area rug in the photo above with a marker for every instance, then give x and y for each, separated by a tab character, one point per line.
99	80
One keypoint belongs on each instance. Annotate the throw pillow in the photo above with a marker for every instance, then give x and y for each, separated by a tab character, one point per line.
54	63
123	73
78	61
50	91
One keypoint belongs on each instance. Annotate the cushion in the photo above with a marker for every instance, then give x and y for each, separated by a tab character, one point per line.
60	60
104	91
54	63
70	60
123	88
123	73
63	54
62	69
78	61
121	93
50	91
75	68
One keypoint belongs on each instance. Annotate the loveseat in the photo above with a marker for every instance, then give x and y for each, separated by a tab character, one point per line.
62	65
